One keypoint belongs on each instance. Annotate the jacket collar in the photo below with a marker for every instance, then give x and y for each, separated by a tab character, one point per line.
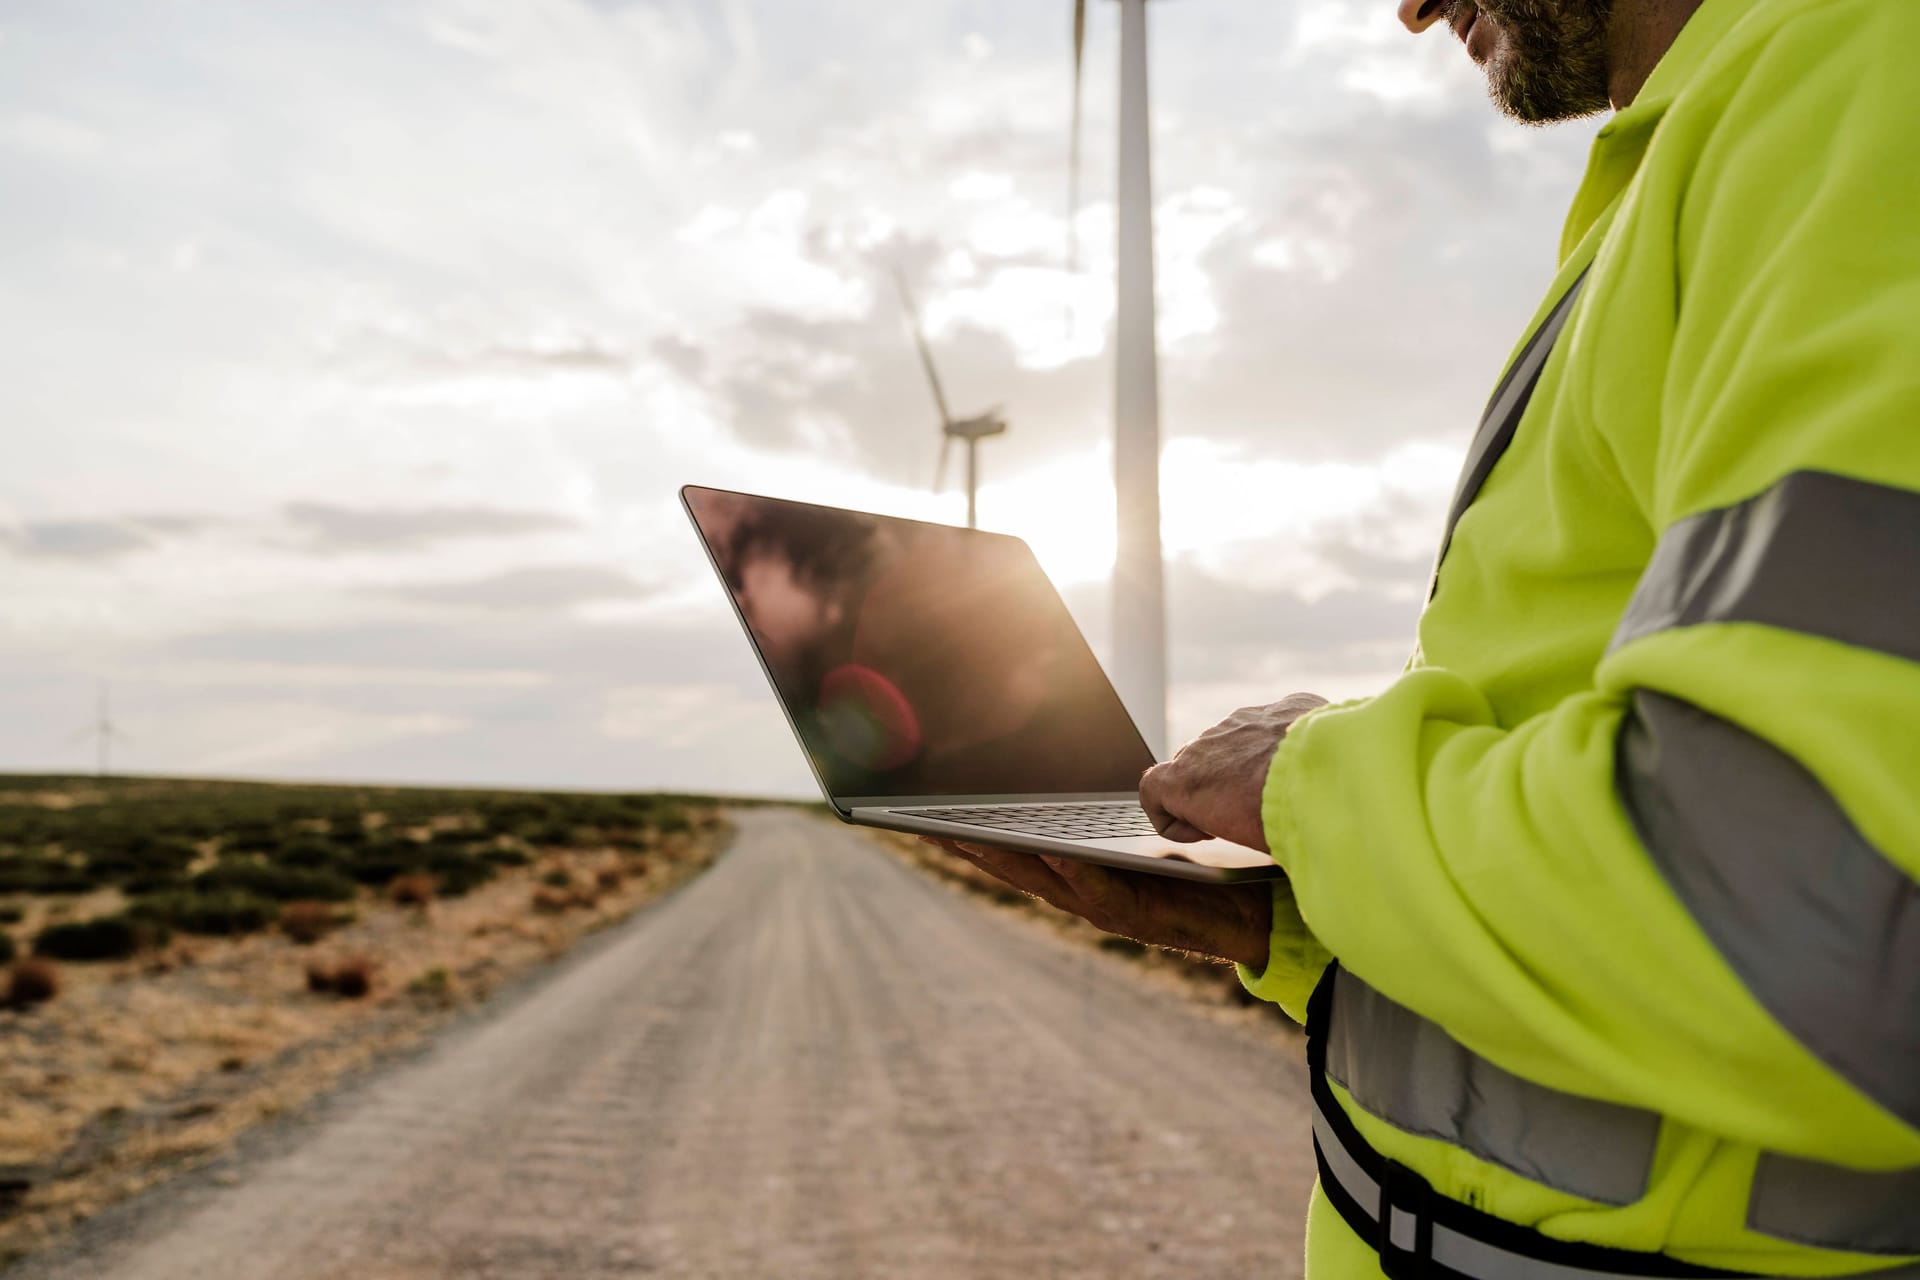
1622	141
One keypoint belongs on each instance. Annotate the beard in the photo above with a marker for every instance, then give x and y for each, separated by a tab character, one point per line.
1552	64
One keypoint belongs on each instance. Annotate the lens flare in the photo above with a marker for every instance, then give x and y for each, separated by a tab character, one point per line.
867	719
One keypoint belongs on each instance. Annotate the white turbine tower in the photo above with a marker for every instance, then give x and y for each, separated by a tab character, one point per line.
104	733
1139	603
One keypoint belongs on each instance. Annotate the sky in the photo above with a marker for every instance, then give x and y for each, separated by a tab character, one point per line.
354	353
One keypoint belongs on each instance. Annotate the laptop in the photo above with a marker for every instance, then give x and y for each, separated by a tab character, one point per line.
938	685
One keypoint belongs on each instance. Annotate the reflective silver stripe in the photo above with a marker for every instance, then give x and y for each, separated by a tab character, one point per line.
1818	553
1410	1073
1822	929
1821	1204
1504	411
1451	1249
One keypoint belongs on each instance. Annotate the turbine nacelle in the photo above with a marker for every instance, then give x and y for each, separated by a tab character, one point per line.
990	423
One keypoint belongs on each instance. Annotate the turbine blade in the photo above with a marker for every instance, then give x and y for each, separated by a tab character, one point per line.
920	343
940	467
1073	139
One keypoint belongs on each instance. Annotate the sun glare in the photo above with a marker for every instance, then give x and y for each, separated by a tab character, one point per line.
1064	511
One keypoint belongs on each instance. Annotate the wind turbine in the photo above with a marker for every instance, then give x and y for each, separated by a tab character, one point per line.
103	732
970	430
1139	601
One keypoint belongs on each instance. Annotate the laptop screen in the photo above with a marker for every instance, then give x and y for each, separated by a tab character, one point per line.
918	659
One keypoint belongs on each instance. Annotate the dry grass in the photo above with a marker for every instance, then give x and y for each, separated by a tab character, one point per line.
106	1087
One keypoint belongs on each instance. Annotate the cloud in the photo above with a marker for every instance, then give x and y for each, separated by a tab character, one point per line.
99	539
400	347
551	587
561	647
329	529
76	539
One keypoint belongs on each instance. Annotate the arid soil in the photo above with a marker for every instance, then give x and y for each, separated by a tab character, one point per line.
812	1061
145	1067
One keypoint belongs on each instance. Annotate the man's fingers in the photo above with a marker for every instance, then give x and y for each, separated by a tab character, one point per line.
1025	872
1102	889
1159	790
1154	785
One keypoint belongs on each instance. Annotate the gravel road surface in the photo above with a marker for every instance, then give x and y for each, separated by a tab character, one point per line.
811	1062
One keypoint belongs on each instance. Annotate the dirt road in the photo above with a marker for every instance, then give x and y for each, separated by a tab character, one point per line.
811	1062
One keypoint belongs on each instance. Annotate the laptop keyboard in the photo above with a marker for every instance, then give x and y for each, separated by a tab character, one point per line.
1088	820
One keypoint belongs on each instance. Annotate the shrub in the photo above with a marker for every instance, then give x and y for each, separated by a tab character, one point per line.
435	984
32	981
507	857
557	878
308	922
11	913
350	977
353	977
210	914
609	878
308	854
43	874
114	858
281	884
560	835
251	837
145	883
8	948
412	890
551	902
456	871
379	863
104	938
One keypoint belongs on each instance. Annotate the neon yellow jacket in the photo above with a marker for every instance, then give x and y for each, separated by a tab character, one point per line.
1641	821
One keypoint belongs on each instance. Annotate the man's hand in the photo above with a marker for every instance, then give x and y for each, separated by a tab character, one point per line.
1212	785
1227	922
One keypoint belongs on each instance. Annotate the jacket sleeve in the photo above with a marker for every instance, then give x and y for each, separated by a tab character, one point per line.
1695	886
1295	958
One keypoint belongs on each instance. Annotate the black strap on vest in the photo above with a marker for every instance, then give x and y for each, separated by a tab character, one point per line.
1503	414
1423	1235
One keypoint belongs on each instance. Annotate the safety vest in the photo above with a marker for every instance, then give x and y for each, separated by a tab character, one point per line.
1623	874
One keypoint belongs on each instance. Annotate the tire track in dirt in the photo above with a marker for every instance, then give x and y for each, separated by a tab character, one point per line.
810	1062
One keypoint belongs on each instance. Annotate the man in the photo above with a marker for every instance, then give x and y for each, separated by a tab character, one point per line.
1622	876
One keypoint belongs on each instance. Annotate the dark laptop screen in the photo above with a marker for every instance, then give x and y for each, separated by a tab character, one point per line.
918	659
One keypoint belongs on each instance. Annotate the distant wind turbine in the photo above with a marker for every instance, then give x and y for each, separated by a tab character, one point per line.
1139	604
970	430
103	731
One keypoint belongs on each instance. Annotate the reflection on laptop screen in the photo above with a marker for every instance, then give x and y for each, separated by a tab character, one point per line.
917	659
